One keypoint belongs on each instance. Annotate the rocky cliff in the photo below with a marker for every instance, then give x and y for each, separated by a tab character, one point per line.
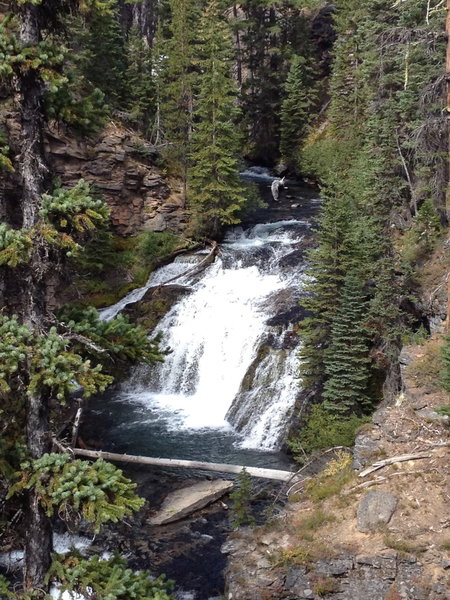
122	166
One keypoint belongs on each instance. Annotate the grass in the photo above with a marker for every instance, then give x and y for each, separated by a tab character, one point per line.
292	556
404	546
323	586
426	370
332	479
312	522
446	545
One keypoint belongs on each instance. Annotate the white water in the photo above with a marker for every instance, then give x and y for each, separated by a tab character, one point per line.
215	334
62	543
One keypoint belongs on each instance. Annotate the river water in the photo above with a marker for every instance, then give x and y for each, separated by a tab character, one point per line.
228	388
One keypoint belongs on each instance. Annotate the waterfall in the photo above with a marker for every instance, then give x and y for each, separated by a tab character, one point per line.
234	360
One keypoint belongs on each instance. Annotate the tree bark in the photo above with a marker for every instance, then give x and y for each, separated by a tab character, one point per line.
33	172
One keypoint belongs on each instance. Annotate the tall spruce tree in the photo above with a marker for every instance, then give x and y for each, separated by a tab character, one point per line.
177	92
101	53
297	108
216	191
328	264
346	359
43	358
140	84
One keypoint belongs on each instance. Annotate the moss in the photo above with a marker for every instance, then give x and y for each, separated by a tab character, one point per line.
249	377
111	266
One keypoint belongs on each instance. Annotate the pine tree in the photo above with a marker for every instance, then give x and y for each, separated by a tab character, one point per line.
297	109
42	358
101	53
216	192
139	83
328	264
346	359
178	88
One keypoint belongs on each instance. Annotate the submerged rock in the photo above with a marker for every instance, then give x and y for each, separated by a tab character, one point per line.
184	502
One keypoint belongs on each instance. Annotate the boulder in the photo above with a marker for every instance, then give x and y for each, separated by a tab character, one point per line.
181	503
375	510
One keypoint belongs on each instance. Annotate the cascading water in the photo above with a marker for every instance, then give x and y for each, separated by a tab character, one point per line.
226	392
230	369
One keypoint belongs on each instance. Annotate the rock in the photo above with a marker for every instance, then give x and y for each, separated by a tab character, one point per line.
431	415
335	566
181	503
132	186
367	443
375	510
296	580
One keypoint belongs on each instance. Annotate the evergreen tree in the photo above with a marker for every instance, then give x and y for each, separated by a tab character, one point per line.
140	86
296	109
101	53
177	97
43	359
216	191
346	359
328	264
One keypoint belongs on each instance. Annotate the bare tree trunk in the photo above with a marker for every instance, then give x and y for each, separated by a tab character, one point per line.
33	173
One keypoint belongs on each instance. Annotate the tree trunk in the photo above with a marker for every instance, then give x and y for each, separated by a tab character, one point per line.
33	172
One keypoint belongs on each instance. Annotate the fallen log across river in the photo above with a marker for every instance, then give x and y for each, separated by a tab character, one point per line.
274	474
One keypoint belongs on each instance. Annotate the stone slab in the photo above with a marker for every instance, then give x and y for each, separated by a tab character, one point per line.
181	503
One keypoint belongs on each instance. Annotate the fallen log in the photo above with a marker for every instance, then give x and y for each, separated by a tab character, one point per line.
390	461
187	464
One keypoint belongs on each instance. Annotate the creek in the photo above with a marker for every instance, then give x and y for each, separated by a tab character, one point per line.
227	390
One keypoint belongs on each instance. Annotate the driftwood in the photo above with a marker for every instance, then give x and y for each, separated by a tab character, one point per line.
390	461
187	464
378	480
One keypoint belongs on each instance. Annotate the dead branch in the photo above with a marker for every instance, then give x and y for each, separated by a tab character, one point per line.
190	464
390	461
378	480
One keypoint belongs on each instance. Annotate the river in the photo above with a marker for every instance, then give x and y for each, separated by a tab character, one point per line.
227	390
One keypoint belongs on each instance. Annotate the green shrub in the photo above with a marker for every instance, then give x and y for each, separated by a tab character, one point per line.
106	579
443	409
326	430
427	369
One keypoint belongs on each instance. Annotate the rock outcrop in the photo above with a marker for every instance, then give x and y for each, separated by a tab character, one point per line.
122	166
384	535
123	169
